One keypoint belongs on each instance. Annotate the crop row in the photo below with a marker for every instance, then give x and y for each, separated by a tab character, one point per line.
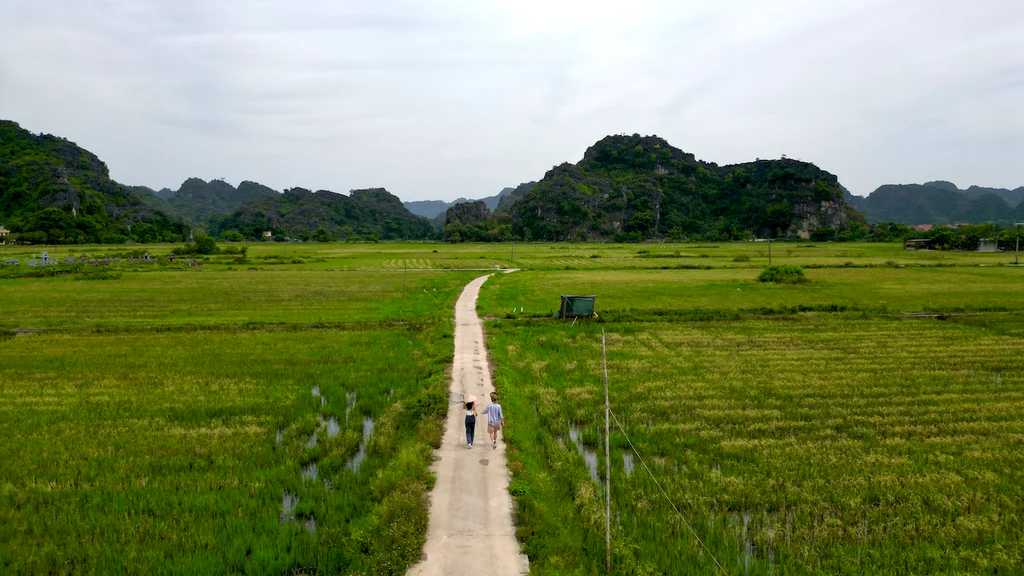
808	445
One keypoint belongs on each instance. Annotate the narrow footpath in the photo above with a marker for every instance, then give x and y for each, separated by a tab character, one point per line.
470	529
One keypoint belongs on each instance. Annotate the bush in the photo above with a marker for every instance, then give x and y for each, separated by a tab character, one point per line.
783	275
741	258
232	236
203	244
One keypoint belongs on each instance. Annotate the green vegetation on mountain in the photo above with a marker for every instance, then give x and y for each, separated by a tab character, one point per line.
368	214
473	222
639	187
198	202
509	196
941	202
52	191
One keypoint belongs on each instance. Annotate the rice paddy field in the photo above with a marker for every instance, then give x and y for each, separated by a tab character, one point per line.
275	412
218	418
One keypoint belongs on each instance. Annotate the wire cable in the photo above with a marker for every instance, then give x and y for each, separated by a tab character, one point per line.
665	494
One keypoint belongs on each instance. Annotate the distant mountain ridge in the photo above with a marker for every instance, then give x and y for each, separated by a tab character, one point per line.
53	191
432	209
367	214
941	202
197	201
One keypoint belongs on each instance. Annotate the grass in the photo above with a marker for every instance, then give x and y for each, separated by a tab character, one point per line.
158	412
626	294
157	452
814	444
544	256
156	420
819	428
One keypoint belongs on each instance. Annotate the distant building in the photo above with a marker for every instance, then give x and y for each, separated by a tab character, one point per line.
988	245
924	227
268	235
4	233
918	244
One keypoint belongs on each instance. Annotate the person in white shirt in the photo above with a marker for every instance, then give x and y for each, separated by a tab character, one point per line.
495	419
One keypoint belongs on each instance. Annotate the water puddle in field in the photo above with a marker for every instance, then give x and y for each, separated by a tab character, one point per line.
288	503
357	460
309	471
627	463
589	455
311	443
350	403
332	427
748	544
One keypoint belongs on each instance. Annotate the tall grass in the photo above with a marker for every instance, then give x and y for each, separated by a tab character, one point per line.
811	444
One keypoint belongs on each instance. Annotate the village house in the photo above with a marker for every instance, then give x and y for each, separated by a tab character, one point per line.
268	235
4	233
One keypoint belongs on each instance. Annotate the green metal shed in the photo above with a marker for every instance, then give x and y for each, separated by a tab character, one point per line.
577	307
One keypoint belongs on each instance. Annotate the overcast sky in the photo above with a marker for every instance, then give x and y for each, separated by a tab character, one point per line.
448	99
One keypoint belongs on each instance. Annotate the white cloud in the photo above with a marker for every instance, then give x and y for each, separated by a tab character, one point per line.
447	99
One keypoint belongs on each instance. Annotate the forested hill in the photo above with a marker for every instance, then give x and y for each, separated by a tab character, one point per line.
640	187
368	214
942	202
197	201
53	191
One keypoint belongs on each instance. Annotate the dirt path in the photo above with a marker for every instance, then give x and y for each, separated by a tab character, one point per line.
470	528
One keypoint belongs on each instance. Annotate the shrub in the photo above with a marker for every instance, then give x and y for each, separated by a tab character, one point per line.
203	245
741	258
783	275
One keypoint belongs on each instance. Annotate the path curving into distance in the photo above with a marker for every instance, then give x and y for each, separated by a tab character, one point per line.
470	529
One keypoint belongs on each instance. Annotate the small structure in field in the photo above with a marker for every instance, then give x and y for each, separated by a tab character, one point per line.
4	233
918	244
923	227
577	307
268	235
988	245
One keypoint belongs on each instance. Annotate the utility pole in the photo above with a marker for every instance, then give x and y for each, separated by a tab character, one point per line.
607	464
512	264
1016	254
769	251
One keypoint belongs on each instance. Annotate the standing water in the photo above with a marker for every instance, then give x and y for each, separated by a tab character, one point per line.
309	471
350	403
357	460
332	427
589	455
288	503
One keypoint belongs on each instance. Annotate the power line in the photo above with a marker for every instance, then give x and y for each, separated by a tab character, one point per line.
665	494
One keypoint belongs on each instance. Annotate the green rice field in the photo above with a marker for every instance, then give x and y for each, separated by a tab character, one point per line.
275	412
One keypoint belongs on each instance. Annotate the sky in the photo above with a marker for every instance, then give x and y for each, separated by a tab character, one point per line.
447	99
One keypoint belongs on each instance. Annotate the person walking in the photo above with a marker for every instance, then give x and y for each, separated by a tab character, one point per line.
470	420
495	420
